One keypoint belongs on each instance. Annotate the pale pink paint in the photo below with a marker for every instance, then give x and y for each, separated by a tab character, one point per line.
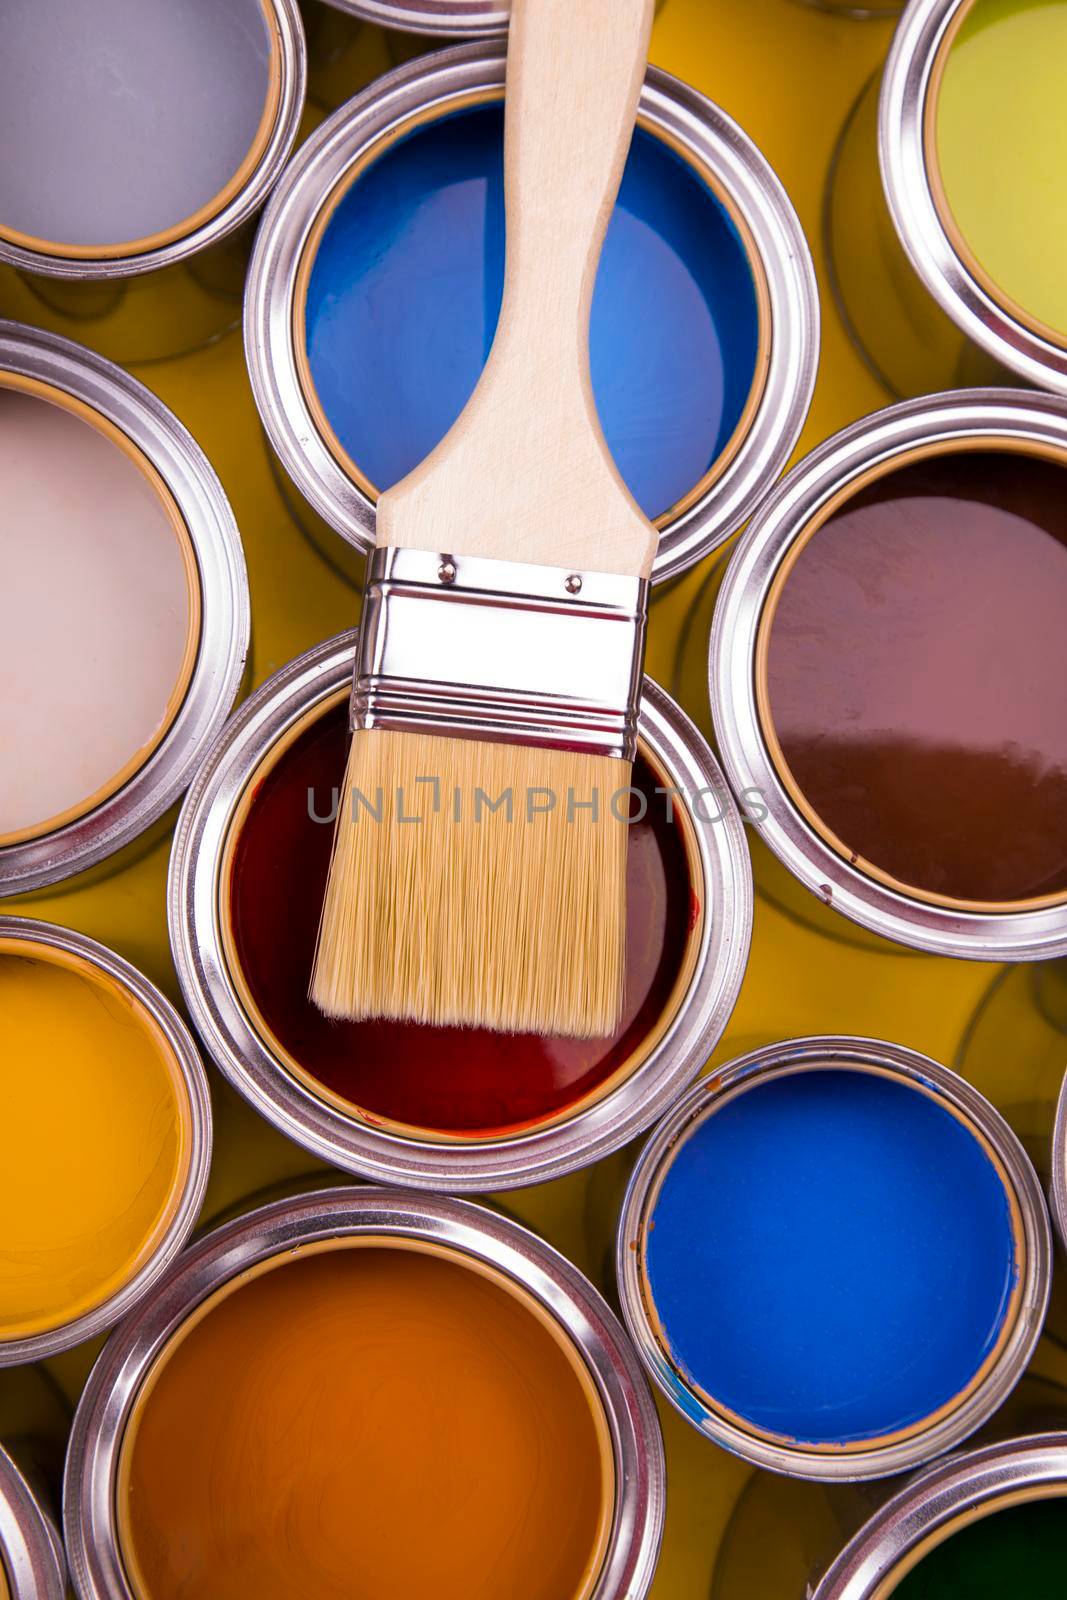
94	610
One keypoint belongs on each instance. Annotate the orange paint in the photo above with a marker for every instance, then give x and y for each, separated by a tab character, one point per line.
371	1420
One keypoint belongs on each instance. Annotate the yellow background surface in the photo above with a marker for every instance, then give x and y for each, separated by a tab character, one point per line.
788	74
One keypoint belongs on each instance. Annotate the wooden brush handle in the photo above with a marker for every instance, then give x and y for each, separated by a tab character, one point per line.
525	474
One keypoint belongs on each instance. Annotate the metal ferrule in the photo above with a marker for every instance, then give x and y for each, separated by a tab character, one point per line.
502	651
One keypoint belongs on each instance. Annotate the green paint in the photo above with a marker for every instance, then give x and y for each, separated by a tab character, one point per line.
1001	135
1019	1553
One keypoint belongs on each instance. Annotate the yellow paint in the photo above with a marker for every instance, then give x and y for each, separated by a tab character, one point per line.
1000	126
94	1137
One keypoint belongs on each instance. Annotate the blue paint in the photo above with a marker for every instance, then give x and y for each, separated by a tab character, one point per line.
831	1255
405	289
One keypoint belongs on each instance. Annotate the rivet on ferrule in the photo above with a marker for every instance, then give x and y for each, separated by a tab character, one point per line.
504	651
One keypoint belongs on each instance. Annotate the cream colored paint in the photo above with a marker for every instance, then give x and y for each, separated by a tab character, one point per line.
99	610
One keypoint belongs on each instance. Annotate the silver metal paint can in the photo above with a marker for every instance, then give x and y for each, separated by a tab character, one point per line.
53	369
916	306
28	939
996	1378
994	420
341	1218
720	156
938	1503
179	284
658	1063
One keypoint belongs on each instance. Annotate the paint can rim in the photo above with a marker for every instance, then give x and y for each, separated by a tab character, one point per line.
1058	1184
869	1566
30	1548
438	19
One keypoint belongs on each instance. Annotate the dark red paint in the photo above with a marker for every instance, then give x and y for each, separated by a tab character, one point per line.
458	1081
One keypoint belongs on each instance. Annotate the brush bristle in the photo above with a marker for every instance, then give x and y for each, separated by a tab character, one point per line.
467	918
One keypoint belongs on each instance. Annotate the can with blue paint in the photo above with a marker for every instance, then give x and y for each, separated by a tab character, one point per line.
834	1257
376	280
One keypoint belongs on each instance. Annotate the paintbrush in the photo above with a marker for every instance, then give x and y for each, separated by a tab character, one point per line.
478	874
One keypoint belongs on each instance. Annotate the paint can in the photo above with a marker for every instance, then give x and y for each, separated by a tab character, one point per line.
982	1512
149	135
381	253
878	545
31	1554
118	1083
777	1208
247	873
316	1251
125	616
933	214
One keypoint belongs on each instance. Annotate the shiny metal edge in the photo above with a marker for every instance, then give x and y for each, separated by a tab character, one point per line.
1019	415
1058	1182
668	106
902	158
30	1550
441	19
938	1497
793	1055
374	1153
241	208
534	655
49	935
224	603
573	1302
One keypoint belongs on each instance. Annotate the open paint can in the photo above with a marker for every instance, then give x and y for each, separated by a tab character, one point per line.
944	241
986	1524
409	1387
888	670
106	1138
148	132
442	1108
834	1258
123	609
31	1554
375	285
